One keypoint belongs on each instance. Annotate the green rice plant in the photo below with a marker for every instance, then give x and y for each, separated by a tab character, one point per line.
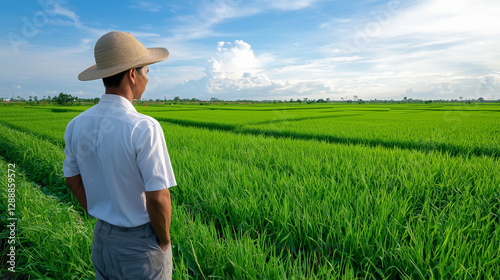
459	133
41	161
453	128
249	205
39	259
40	121
457	129
52	240
363	203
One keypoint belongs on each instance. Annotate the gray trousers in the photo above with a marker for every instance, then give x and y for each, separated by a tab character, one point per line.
129	253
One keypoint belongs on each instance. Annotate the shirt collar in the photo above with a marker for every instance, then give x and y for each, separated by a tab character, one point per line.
116	99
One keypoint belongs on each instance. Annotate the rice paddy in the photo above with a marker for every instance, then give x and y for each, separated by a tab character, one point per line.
285	191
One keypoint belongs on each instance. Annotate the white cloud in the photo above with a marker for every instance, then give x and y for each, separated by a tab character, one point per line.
428	48
334	23
147	6
80	92
287	4
447	17
59	15
211	13
235	72
233	61
58	10
234	68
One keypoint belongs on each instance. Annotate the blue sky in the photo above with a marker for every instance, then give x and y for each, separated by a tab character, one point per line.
261	49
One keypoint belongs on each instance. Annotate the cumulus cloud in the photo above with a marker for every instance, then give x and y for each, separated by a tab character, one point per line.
488	88
235	72
235	68
233	61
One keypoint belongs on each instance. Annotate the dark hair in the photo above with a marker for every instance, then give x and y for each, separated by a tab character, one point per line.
116	80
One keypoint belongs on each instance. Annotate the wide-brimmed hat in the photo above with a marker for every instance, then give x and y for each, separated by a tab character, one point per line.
118	51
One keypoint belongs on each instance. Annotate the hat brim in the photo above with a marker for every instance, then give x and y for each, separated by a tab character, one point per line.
153	55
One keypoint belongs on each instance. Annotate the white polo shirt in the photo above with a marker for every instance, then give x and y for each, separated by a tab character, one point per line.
120	155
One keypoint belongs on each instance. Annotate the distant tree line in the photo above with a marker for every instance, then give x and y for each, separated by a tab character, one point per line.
68	100
61	99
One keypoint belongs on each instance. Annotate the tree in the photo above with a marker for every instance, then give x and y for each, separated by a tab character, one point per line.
64	99
177	100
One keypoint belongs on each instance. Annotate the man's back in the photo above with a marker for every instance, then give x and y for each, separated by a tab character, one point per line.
110	145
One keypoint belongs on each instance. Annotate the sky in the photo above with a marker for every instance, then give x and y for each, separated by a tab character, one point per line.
262	49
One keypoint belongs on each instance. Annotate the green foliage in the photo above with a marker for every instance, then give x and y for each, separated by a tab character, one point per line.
64	99
452	128
53	241
299	191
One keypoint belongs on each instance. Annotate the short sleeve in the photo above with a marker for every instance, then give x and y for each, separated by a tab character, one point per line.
70	165
153	159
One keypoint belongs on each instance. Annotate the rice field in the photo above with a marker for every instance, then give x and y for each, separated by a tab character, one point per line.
285	191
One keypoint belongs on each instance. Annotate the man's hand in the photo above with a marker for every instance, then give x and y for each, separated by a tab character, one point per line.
164	246
75	184
159	210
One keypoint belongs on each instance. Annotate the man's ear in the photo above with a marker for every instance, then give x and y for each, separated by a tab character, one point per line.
131	75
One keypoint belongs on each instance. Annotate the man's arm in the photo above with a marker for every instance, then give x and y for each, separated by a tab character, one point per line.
75	184
159	210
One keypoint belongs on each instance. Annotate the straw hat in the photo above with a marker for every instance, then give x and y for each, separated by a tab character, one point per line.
118	51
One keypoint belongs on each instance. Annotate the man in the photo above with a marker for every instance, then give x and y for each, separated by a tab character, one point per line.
118	167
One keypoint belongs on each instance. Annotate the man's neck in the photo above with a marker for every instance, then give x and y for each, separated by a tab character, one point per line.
127	94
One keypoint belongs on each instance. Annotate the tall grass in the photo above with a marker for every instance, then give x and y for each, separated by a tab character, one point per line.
389	212
249	206
53	241
40	121
47	221
457	130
